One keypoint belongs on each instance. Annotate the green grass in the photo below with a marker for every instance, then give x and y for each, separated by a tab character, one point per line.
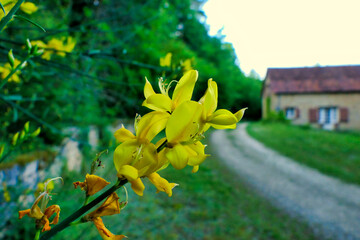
211	204
333	153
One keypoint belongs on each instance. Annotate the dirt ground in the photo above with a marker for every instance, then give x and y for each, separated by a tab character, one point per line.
329	205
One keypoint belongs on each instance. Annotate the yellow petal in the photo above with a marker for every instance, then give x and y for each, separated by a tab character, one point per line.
50	211
162	184
129	172
196	153
39	43
210	98
70	44
104	232
184	89
125	153
28	7
195	169
22	213
183	124
222	117
109	207
239	114
158	102
123	135
150	125
138	186
148	89
166	61
177	156
94	184
216	126
148	161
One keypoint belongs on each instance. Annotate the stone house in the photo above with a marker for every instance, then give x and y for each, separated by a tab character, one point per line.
325	97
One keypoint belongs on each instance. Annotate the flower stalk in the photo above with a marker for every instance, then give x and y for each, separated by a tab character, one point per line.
6	19
66	222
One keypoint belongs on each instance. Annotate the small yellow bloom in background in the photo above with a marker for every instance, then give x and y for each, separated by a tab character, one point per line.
6	70
186	65
166	61
56	46
92	184
28	7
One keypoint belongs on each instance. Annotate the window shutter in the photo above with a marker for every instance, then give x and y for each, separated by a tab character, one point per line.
344	115
313	115
297	112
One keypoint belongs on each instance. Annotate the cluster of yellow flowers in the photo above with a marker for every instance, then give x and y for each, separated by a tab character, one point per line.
26	7
184	122
56	46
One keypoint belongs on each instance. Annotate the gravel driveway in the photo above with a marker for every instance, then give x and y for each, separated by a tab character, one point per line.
330	206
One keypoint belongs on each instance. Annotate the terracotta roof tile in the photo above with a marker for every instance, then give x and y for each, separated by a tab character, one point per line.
314	79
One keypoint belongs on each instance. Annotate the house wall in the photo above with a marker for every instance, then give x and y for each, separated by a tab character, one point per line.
304	102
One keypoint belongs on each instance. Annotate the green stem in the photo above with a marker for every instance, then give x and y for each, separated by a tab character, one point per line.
5	20
162	146
6	79
86	200
66	222
37	234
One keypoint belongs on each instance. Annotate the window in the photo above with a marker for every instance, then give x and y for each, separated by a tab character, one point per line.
290	113
328	115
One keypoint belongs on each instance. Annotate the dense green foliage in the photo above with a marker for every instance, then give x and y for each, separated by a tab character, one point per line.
118	43
333	153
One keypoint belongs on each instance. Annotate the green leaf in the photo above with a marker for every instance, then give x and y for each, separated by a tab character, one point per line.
28	20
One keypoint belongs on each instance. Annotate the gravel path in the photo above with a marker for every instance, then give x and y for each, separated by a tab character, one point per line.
330	206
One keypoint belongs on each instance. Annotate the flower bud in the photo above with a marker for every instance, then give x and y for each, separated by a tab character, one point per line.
11	58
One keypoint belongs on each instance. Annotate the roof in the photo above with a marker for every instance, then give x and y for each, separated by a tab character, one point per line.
314	79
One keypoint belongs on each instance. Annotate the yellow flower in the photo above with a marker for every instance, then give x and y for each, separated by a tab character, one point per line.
109	207
182	133
161	184
56	46
186	65
166	61
104	232
219	119
28	7
42	217
162	102
136	156
92	184
6	70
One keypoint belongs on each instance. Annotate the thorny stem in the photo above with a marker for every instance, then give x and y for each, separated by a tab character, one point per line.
66	222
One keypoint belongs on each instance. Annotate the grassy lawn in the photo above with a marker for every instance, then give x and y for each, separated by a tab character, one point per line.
333	153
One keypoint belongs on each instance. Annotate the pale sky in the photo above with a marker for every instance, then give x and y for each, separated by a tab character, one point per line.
288	33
